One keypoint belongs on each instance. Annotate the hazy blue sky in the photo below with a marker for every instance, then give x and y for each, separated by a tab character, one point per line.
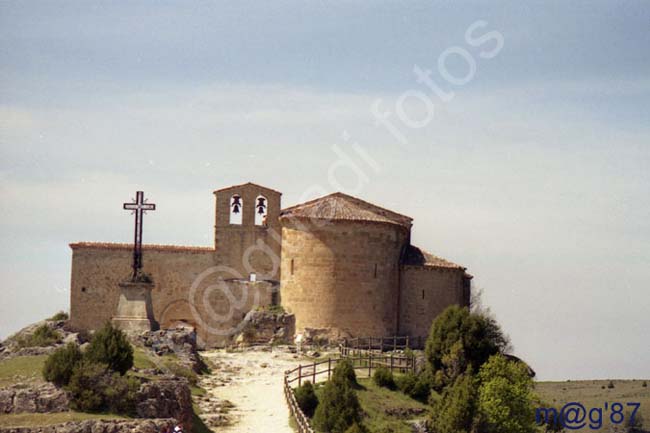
534	176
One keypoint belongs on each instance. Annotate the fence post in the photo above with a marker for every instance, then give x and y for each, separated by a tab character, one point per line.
369	364
299	374
329	368
407	342
391	363
394	343
314	377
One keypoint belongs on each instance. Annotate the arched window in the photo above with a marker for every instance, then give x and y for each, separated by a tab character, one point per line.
260	210
236	209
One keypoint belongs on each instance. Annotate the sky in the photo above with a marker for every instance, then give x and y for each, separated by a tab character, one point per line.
523	154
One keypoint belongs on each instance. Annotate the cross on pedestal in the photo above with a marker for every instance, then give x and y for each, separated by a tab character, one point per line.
139	207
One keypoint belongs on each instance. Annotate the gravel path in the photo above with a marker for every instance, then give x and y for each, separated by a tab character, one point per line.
245	392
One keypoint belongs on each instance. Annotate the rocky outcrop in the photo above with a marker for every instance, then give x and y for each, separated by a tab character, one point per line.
321	337
11	347
267	327
168	397
34	399
99	426
180	341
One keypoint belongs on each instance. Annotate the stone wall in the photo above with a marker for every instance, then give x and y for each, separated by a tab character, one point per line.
425	292
342	275
184	278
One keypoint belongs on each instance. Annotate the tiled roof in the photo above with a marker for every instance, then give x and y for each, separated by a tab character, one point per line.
339	206
247	184
118	246
418	257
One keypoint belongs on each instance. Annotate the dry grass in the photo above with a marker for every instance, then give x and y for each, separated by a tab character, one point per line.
595	393
21	369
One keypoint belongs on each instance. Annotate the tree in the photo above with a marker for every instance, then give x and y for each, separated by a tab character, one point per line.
505	397
60	365
339	406
460	339
455	412
111	347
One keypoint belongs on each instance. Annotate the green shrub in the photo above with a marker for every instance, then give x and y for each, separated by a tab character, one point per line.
610	385
306	398
93	388
339	406
406	382
344	372
42	336
416	386
120	394
61	315
460	339
86	387
110	346
456	410
644	384
384	378
357	428
60	365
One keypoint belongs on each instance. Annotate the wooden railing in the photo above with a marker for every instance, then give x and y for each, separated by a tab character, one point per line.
380	344
318	370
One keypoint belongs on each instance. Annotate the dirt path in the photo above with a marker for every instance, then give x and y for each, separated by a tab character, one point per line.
245	392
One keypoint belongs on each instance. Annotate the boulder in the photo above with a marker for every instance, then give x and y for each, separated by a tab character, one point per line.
169	397
43	398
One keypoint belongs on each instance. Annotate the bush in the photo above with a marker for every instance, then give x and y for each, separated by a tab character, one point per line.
644	384
356	428
505	397
110	346
60	365
384	378
306	398
344	372
406	382
455	411
42	336
418	387
86	387
610	385
460	339
339	407
61	315
93	388
120	394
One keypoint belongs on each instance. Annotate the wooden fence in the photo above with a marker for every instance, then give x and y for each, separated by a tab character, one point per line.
317	370
380	344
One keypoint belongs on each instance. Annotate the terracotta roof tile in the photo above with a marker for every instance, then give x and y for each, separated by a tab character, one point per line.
418	257
120	246
339	206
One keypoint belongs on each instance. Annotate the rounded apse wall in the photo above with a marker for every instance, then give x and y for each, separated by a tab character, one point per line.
342	275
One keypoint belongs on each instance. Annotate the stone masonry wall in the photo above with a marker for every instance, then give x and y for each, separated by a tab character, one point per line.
425	293
342	275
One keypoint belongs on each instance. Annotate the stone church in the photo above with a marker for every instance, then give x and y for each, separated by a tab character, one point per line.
339	264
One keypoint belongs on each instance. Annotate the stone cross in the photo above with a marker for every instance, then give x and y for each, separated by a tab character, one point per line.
139	206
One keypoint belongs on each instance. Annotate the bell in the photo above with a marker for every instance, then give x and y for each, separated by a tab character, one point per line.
235	208
260	210
261	202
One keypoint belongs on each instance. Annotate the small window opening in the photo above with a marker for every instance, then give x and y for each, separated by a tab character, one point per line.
375	273
292	266
423	294
236	209
252	277
83	289
260	210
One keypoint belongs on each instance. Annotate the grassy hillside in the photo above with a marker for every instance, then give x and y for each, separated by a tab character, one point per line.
595	393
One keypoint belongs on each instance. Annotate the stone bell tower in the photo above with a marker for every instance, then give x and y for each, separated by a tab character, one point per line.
247	231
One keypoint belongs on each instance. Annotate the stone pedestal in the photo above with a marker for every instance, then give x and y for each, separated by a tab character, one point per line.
134	310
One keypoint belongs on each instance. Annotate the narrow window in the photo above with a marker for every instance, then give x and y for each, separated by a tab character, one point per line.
422	293
260	210
375	270
292	266
236	208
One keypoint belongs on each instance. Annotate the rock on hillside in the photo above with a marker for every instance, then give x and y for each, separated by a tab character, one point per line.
99	426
